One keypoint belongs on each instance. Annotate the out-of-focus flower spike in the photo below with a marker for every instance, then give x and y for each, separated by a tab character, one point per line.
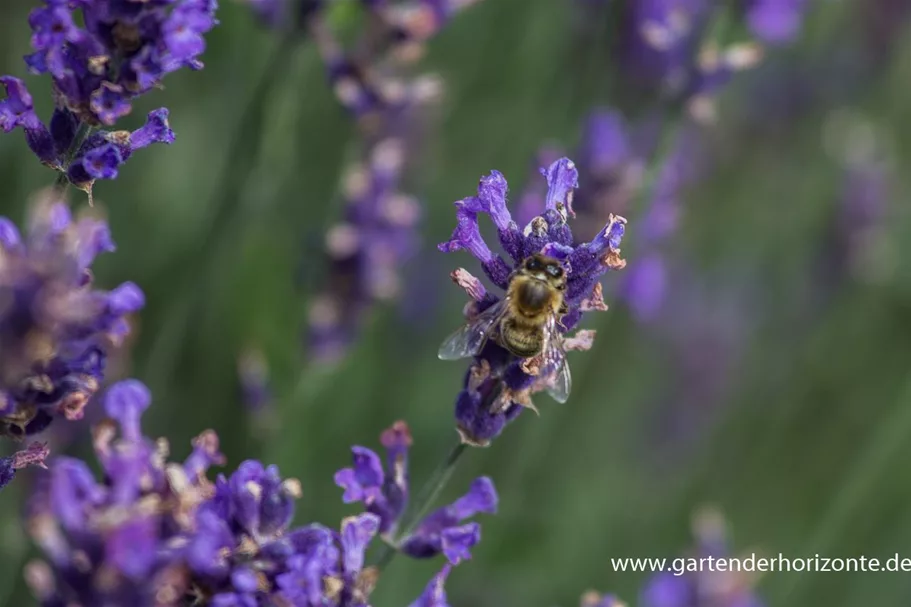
161	532
723	588
776	21
54	342
255	387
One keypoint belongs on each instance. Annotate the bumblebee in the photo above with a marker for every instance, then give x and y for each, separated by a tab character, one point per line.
525	322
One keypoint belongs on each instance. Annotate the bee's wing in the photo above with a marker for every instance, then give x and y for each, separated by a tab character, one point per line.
469	340
560	381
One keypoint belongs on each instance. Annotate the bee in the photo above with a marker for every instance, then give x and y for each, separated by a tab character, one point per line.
525	322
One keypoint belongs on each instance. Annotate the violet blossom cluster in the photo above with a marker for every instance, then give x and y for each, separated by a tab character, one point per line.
56	328
377	232
667	42
100	55
498	385
157	532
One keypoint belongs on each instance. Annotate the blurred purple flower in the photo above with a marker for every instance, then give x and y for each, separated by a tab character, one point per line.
253	376
775	21
100	55
704	588
611	165
672	44
498	385
366	251
645	287
118	541
55	330
861	218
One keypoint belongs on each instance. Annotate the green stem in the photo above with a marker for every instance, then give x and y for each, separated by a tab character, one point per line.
62	183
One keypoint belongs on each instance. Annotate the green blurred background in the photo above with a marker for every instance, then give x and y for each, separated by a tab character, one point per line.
805	448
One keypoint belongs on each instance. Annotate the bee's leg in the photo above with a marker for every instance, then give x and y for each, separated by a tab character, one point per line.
563	308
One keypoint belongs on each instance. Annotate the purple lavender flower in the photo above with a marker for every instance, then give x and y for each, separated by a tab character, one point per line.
611	165
498	385
33	455
668	44
443	531
366	250
119	541
645	287
704	588
155	532
775	21
120	51
384	492
55	330
434	594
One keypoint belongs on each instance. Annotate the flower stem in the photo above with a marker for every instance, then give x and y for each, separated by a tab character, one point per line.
82	133
425	499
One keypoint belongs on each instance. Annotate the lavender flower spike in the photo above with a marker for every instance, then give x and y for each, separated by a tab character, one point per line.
384	493
55	336
154	532
100	55
498	384
121	540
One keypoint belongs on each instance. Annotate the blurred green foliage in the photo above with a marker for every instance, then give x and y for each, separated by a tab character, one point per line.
805	455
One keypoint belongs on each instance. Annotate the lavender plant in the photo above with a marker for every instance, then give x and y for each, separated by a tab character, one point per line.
670	44
156	532
391	108
55	328
121	51
498	385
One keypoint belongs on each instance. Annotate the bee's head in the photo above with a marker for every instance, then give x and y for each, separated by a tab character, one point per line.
544	268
